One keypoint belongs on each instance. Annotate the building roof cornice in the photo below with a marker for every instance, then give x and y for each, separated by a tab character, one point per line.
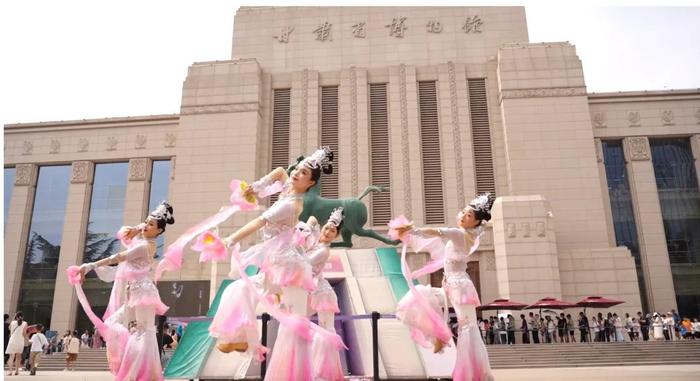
100	123
644	96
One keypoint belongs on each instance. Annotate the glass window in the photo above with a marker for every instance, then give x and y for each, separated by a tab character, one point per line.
677	183
621	207
44	244
106	217
160	181
9	185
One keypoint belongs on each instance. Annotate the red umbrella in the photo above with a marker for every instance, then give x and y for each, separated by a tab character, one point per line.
597	302
550	302
502	304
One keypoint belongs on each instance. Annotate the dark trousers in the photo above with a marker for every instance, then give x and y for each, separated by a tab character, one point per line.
645	333
526	337
535	337
584	335
667	335
511	337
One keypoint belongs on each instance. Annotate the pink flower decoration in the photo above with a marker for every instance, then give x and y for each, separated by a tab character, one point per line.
210	248
244	202
395	224
73	273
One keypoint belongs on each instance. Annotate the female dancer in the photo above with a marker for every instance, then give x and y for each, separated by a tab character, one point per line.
132	355
418	309
15	345
323	301
234	324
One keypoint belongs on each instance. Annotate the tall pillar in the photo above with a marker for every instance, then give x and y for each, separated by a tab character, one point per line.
64	310
525	243
404	140
16	231
695	146
137	191
650	227
304	131
353	133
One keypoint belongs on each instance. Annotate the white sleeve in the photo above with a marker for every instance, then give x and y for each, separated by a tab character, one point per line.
318	256
453	234
281	213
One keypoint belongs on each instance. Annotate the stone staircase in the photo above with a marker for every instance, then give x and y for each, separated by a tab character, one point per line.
594	354
505	356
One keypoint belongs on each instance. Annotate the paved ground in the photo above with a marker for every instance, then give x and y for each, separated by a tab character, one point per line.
626	373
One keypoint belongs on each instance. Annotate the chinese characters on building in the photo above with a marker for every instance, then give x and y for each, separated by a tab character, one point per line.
397	28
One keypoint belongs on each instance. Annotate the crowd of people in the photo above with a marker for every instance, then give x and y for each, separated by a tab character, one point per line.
564	328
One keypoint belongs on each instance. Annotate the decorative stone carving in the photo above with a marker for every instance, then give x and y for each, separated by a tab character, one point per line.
353	131
541	229
80	172
323	32
25	174
634	119
140	141
544	92
111	143
434	26
637	148
526	229
173	164
358	30
219	108
83	144
283	37
472	25
170	140
456	134
598	119
397	27
490	260
667	117
404	141
510	230
697	116
138	169
304	108
27	147
55	146
598	150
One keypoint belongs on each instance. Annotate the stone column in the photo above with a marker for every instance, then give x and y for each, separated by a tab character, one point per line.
525	244
606	196
695	146
650	227
353	133
304	132
64	309
137	191
404	140
16	231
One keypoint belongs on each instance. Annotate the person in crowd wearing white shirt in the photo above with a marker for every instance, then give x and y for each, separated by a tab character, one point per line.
617	323
634	331
668	326
696	329
72	350
658	325
39	342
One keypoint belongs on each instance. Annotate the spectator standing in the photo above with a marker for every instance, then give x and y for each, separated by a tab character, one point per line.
658	325
643	325
636	327
525	329
15	345
676	323
85	339
562	328
551	326
502	333
7	335
510	327
491	330
596	329
696	329
619	328
668	326
583	327
535	327
72	350
571	327
39	342
686	329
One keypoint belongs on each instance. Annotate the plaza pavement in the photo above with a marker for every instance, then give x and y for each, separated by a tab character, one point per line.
620	373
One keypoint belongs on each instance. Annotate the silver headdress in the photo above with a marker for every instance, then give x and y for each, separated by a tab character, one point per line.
317	159
162	213
482	203
336	217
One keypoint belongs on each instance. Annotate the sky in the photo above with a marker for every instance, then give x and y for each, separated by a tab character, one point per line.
80	59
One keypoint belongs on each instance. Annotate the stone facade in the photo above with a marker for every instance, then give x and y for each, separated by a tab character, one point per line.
552	232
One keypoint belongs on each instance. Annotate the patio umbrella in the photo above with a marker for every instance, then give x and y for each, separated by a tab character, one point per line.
502	304
552	303
597	302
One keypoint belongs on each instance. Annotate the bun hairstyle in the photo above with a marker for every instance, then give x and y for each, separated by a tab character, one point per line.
163	215
482	206
325	164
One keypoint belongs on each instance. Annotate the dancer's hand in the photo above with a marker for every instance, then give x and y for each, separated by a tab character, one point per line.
82	270
228	242
405	228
